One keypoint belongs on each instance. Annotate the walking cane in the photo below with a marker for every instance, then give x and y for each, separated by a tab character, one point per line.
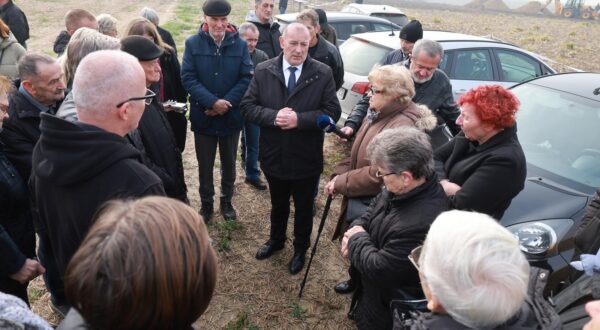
314	249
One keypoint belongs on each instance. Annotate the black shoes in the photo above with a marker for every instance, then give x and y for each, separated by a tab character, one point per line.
345	287
268	249
206	211
297	262
258	184
227	211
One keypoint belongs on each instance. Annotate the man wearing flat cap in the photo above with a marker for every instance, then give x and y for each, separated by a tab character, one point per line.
410	33
154	136
216	71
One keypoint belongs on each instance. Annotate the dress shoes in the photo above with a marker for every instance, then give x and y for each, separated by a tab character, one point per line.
228	211
268	249
345	287
206	211
297	262
257	183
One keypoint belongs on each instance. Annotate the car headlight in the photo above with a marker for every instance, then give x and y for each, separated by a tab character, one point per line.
537	239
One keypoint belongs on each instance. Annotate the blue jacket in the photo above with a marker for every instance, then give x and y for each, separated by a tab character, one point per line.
210	73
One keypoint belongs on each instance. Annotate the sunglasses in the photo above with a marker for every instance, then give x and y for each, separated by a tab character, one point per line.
414	256
147	98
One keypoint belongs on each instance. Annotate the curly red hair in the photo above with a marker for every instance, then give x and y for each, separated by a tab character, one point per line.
494	105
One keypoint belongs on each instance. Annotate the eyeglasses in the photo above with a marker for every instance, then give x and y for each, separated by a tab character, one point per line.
414	256
378	174
375	91
147	98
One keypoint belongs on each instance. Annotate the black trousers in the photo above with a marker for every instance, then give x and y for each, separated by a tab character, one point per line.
302	193
206	150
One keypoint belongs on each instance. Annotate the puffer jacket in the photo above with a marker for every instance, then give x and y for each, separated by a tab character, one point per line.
395	225
355	175
209	73
268	38
10	53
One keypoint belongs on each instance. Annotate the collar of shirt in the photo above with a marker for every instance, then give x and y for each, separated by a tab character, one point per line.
219	41
286	72
33	101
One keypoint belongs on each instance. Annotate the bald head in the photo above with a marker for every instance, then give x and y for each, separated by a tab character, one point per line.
104	79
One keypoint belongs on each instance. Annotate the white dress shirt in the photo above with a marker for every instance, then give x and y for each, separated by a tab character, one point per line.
286	71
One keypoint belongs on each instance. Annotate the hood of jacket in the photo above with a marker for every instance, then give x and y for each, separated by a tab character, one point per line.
5	43
252	17
69	153
423	118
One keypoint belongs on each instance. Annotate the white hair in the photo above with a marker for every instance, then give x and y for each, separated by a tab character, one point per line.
150	14
475	268
107	24
103	79
247	26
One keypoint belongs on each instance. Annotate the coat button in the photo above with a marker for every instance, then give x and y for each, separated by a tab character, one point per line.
216	73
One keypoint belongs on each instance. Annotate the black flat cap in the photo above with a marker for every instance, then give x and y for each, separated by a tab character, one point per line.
143	49
412	31
216	8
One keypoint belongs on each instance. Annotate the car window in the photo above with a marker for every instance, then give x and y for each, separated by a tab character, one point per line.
382	27
517	67
360	56
394	18
472	64
345	29
559	133
445	63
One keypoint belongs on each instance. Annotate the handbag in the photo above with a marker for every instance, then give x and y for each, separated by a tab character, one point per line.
356	207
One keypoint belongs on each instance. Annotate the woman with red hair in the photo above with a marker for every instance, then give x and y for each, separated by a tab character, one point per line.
483	167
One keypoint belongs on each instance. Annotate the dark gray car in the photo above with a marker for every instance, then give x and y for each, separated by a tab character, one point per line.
559	129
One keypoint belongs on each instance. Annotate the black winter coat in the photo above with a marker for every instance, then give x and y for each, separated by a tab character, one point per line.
160	146
327	53
296	153
167	37
395	225
17	237
490	175
21	132
16	20
268	38
77	168
172	89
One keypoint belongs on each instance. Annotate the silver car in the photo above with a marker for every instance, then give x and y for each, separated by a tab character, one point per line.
468	61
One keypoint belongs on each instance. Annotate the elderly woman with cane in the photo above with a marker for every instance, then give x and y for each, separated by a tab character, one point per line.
392	90
378	243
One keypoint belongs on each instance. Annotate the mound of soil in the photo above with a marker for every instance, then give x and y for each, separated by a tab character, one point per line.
532	7
488	5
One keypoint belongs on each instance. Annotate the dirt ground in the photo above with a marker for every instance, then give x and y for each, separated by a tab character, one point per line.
255	294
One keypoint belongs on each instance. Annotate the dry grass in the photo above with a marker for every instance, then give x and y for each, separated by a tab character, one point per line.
254	294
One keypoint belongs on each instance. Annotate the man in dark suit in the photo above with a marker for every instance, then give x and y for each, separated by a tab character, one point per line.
285	97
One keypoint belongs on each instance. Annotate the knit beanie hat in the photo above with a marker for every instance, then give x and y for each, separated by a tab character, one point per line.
412	31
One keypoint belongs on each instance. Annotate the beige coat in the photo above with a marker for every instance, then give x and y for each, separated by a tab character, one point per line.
11	51
355	175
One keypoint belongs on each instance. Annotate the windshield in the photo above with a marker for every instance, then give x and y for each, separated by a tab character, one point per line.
360	56
399	19
559	133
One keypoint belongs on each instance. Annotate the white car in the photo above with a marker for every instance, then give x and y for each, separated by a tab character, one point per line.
390	13
469	61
